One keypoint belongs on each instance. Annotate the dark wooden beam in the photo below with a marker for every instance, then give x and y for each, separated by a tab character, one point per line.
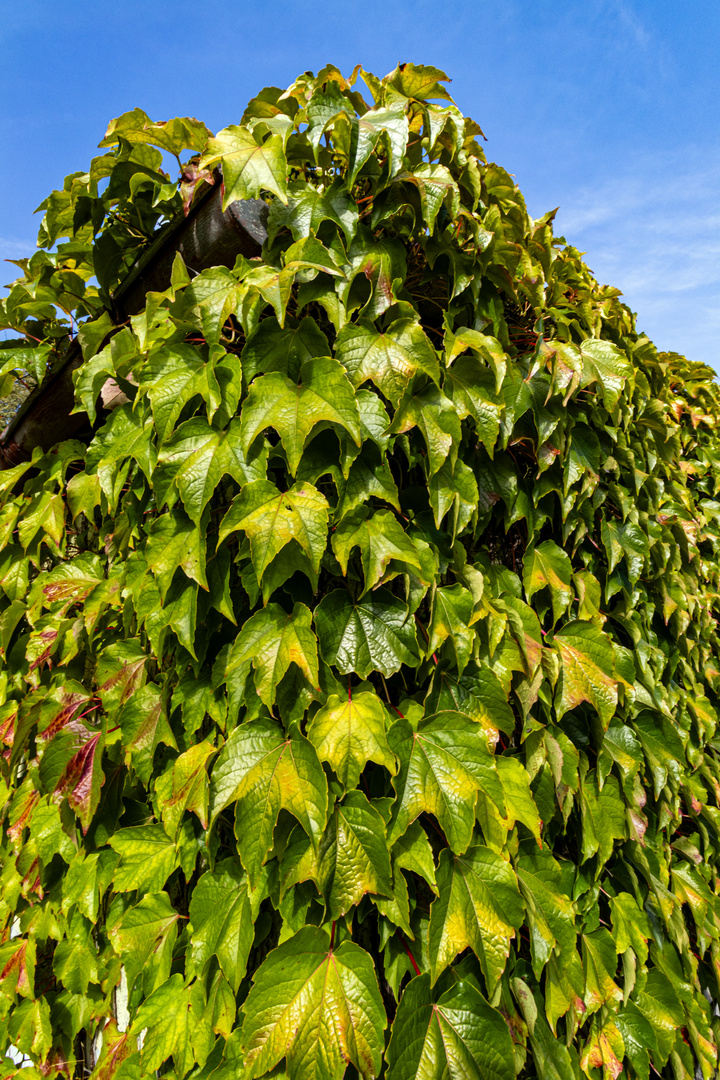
206	237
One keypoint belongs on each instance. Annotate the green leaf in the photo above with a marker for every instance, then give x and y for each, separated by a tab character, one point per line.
660	1006
453	488
307	995
207	303
272	347
547	891
661	745
347	732
310	254
14	568
625	542
223	910
518	797
396	909
478	907
564	989
248	168
176	135
185	787
46	512
471	388
631	926
307	208
488	348
323	395
604	363
83	494
603	816
126	435
271	519
459	1035
550	1056
34	361
173	375
147	858
587	671
419	81
434	183
364	480
442	766
376	633
69	581
17	973
389	359
174	542
47	832
452	613
599	964
145	937
547	566
144	726
264	771
638	1037
175	1025
271	640
435	416
196	458
30	1028
266	285
290	560
326	105
380	538
392	124
412	851
478	693
353	858
582	459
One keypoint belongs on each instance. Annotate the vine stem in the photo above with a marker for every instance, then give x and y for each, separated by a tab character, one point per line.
406	947
427	637
26	334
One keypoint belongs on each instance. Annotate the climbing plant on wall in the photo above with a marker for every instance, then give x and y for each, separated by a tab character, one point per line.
359	667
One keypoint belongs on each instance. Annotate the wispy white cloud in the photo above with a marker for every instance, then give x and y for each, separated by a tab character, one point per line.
16	248
12	248
653	231
630	23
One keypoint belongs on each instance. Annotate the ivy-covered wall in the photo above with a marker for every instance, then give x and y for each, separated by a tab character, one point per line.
359	666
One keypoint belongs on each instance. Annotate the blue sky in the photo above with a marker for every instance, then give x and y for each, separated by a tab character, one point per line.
609	109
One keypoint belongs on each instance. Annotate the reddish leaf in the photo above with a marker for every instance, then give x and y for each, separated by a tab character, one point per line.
71	702
18	974
190	177
7	726
24	813
127	679
82	779
116	1049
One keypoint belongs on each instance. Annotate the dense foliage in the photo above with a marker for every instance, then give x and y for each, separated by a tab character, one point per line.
359	676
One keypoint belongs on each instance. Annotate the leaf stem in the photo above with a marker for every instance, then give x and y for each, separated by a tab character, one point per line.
406	947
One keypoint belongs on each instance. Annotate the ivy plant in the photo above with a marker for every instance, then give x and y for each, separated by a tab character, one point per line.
359	668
